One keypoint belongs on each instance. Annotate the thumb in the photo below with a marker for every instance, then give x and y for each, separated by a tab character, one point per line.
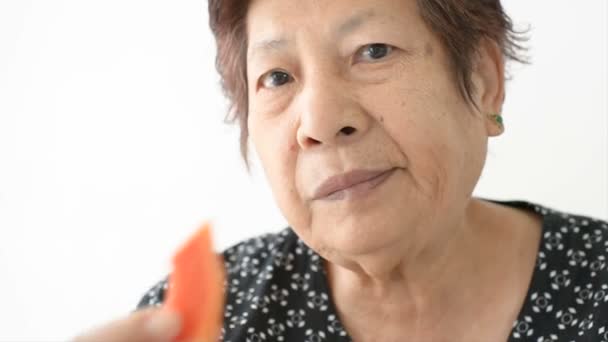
163	325
158	325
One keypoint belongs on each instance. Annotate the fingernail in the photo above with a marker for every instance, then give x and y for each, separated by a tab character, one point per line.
163	325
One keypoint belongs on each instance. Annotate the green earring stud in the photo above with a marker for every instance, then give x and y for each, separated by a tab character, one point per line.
498	119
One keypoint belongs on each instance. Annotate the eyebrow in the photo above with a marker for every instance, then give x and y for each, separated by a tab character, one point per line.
268	45
344	29
354	23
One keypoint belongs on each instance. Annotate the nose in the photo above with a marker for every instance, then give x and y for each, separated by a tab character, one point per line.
330	115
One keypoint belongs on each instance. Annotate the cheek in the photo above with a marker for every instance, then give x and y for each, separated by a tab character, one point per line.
418	115
275	159
411	116
277	149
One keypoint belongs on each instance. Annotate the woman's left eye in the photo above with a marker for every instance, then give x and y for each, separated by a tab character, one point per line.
376	51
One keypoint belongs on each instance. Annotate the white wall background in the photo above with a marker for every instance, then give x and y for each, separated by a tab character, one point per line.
113	150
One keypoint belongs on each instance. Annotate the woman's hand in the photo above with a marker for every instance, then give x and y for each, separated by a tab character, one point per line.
154	325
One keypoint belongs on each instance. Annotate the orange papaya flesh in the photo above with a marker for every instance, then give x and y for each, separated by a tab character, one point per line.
196	288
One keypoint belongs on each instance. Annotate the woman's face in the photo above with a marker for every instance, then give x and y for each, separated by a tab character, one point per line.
343	85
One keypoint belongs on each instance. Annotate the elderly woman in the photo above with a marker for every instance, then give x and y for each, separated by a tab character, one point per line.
371	120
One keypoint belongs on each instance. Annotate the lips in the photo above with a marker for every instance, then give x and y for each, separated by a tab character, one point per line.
346	180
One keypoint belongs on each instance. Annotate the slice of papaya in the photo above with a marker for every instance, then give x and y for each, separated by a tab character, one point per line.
196	288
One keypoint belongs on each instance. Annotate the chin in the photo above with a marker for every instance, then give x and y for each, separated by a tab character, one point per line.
358	238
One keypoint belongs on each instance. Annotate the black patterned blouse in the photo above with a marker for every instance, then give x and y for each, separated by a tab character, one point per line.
277	289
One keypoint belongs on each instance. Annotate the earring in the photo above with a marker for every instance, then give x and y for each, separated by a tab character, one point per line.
498	119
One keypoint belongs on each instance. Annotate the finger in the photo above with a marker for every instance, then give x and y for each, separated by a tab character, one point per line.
155	325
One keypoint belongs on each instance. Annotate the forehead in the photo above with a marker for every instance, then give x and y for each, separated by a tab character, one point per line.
274	24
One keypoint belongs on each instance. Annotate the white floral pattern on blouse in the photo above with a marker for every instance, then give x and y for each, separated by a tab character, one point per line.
277	288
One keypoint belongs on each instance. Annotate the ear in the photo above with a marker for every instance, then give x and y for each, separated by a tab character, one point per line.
488	78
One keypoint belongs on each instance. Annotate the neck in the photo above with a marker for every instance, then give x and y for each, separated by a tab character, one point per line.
425	283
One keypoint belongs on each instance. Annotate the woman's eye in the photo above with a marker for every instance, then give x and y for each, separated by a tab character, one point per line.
377	51
275	79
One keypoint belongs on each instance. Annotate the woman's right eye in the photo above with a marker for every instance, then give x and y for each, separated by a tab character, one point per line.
275	79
